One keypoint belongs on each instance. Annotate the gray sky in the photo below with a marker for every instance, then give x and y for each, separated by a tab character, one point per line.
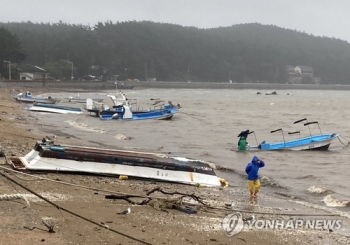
329	18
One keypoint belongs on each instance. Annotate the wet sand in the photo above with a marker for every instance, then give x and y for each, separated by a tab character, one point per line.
19	131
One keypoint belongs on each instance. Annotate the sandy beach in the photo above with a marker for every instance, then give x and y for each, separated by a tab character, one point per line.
81	214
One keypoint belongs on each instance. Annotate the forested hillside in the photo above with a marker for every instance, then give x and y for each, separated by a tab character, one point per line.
136	50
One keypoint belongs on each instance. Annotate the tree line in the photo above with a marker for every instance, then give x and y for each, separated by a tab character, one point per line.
168	52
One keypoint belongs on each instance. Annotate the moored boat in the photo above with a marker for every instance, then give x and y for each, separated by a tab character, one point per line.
48	156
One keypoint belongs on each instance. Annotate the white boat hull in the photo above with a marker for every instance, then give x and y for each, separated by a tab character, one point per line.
53	110
32	161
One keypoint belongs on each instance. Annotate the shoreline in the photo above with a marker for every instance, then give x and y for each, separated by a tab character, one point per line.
97	85
20	131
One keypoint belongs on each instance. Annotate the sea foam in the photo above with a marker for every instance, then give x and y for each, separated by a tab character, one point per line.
317	189
330	201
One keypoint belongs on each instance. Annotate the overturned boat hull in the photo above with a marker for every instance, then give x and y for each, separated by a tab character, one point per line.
50	157
61	109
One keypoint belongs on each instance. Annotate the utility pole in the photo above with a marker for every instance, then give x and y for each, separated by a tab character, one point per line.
188	73
71	78
146	73
9	64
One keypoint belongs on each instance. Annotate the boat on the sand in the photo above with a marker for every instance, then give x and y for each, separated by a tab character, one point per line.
48	156
62	109
28	97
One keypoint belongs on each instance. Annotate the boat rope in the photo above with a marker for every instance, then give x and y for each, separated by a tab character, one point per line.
343	139
145	196
71	212
10	197
66	183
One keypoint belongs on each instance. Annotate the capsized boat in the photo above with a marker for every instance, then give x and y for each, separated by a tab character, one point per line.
48	156
320	141
29	98
62	109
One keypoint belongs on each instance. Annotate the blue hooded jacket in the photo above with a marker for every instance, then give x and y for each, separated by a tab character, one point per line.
253	168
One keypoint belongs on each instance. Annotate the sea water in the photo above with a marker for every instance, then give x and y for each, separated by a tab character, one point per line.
207	126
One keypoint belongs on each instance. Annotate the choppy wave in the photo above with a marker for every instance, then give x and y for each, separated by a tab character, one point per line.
315	206
309	176
330	201
318	190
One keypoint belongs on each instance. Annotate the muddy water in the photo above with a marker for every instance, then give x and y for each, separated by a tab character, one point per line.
207	127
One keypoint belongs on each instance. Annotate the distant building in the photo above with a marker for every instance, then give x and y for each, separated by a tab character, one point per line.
33	73
151	79
297	73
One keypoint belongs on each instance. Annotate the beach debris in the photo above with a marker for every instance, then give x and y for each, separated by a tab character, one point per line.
230	205
251	218
125	212
123	177
223	182
161	204
11	197
49	227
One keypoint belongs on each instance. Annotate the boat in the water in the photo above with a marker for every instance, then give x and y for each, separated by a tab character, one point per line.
48	156
121	85
320	141
82	100
122	109
62	109
28	97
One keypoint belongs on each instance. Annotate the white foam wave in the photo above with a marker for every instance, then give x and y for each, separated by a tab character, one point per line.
326	209
85	127
330	201
317	189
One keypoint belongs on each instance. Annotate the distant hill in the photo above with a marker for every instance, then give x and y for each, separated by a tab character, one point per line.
167	52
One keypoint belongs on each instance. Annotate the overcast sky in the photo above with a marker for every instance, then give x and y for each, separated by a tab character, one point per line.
329	18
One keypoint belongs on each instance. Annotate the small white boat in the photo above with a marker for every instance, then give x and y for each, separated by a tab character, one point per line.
82	100
27	97
47	156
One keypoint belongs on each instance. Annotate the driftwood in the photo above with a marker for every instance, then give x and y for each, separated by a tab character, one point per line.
49	227
162	203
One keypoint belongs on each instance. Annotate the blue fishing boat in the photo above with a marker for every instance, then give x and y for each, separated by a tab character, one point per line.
122	109
320	141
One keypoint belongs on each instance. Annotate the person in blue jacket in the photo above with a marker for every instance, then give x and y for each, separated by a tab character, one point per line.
252	170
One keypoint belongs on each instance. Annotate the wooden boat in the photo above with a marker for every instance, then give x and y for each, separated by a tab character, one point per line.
320	141
55	108
29	98
47	156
